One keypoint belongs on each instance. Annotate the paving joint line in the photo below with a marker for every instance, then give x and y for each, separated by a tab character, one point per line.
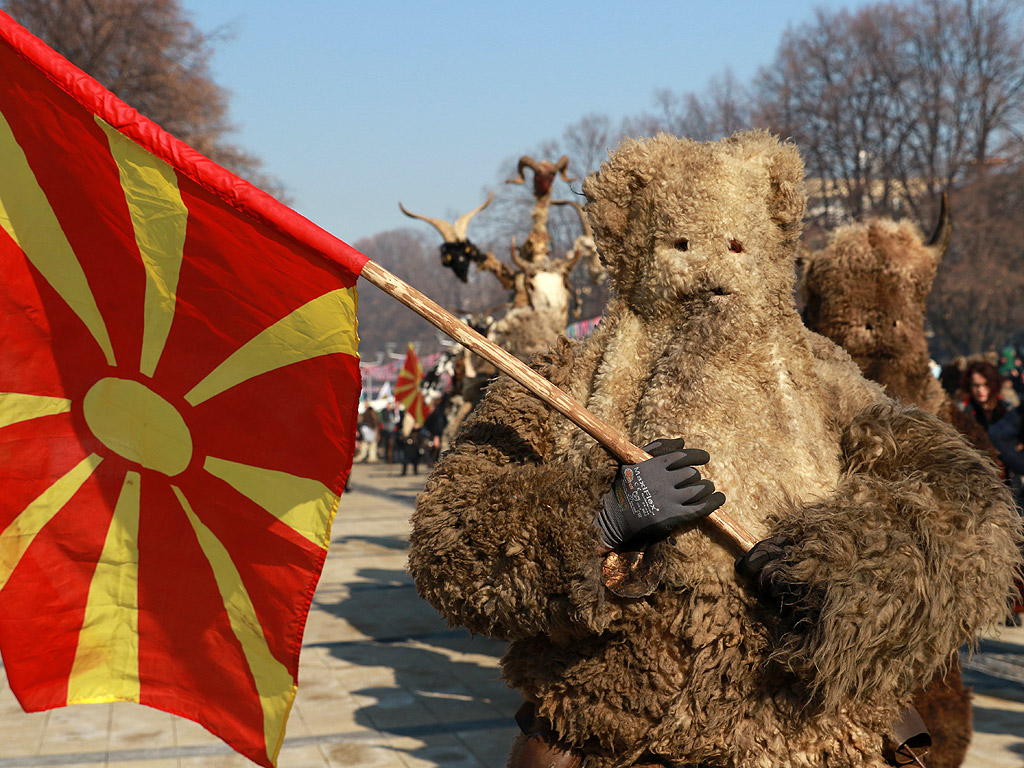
209	750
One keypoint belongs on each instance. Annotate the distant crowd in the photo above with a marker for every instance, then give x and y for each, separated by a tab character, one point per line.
391	435
990	388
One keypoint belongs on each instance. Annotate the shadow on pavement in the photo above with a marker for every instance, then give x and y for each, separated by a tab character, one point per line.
397	487
447	690
382	542
1000	721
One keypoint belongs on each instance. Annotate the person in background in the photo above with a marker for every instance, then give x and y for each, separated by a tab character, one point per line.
1008	438
369	426
410	443
982	385
390	421
950	376
434	427
1010	369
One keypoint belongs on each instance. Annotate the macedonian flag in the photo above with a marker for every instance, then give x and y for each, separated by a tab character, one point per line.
178	393
407	388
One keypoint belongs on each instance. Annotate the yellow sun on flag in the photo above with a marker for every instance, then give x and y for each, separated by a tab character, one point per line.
157	438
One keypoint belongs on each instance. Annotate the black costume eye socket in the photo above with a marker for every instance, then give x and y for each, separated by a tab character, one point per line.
735	246
681	245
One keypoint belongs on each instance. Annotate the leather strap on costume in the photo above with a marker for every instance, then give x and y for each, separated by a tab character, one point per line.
911	738
538	746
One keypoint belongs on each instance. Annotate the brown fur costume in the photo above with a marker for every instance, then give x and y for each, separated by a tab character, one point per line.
867	291
905	539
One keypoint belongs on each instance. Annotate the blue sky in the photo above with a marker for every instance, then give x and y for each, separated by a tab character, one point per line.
357	105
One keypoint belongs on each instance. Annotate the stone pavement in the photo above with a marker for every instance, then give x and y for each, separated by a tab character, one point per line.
385	683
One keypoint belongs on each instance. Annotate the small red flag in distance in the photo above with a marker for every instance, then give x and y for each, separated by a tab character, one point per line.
178	396
407	388
409	378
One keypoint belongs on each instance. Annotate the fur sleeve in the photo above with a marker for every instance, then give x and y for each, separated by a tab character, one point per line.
503	540
909	559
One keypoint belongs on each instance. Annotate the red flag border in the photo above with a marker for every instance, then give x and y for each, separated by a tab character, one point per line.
215	179
224	185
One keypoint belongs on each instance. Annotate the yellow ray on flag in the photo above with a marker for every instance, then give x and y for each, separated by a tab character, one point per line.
306	506
323	326
270	307
274	683
159	218
106	666
15	407
16	538
26	215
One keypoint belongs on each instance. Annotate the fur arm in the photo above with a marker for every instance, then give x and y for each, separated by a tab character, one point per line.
504	541
912	555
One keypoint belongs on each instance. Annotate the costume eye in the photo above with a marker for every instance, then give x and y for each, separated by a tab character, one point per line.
681	245
735	246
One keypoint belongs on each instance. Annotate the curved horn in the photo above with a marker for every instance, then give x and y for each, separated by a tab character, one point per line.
462	223
524	162
516	258
567	264
939	241
562	166
584	222
440	225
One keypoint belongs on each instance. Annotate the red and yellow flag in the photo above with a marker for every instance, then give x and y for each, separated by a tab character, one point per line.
178	391
407	388
409	378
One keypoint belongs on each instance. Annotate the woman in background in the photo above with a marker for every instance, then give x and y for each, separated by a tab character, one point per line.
982	384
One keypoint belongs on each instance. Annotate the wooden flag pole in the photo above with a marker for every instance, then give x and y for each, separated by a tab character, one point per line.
624	450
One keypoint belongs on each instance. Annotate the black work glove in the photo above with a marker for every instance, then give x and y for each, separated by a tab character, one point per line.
761	565
650	499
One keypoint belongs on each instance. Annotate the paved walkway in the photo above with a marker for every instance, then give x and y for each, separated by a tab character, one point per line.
385	683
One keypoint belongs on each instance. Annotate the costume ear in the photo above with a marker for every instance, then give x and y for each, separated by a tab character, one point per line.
939	241
788	198
611	189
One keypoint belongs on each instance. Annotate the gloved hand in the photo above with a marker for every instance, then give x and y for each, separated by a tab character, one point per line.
761	566
650	499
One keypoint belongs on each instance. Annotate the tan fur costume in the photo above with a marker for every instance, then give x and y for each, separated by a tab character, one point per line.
904	535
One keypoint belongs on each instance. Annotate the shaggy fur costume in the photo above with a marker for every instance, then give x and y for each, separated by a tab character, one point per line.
867	291
905	539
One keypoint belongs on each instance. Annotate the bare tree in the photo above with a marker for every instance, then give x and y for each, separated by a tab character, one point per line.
894	103
587	142
981	282
835	89
150	55
721	110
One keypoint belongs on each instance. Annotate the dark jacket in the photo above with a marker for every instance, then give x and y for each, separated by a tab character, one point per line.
1006	436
